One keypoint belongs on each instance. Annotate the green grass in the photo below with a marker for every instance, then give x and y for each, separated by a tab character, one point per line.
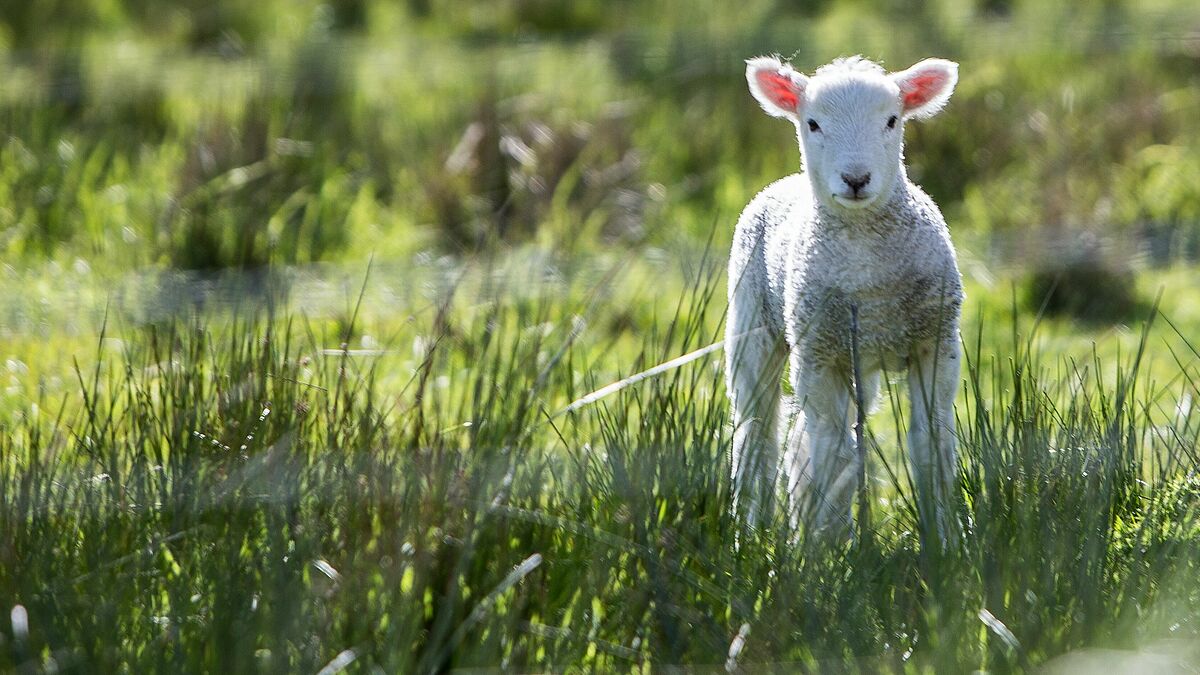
232	491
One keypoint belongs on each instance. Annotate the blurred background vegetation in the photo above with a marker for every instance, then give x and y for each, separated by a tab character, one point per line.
217	134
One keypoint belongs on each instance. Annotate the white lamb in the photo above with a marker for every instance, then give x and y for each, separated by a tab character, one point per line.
849	231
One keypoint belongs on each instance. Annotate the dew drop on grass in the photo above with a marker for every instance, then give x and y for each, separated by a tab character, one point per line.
20	623
66	150
736	647
328	570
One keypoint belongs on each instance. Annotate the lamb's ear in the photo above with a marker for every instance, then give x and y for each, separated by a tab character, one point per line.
926	87
777	86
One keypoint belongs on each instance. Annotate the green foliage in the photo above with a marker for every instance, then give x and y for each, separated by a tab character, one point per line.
1082	281
1089	128
1074	131
1157	190
26	25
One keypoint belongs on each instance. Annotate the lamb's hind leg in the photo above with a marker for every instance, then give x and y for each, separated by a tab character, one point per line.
754	366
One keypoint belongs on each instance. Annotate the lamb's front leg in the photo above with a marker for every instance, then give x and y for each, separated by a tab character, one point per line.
933	378
828	472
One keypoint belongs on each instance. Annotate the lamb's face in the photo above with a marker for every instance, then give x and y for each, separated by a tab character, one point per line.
850	119
851	136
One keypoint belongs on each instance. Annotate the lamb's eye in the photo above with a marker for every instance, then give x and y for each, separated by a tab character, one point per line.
813	126
892	122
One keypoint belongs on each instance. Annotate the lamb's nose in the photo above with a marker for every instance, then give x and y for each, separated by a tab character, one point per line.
858	182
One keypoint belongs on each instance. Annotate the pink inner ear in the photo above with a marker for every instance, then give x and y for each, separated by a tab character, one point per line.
781	90
922	87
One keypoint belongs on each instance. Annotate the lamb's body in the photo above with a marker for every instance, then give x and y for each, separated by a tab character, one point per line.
799	263
808	265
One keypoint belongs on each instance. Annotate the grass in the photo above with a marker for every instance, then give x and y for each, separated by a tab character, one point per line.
243	493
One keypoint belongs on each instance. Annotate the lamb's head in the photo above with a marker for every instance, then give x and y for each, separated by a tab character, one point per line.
850	117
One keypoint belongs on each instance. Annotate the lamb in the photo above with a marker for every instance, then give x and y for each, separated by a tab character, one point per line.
849	233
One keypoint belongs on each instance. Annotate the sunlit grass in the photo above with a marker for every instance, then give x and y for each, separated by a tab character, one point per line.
234	491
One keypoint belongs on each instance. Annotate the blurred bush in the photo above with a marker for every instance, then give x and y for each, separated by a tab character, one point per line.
510	174
32	24
1079	280
1159	190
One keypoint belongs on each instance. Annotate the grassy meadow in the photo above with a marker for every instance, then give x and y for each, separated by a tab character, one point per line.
295	297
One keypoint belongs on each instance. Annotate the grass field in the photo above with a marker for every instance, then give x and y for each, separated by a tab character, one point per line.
294	298
230	490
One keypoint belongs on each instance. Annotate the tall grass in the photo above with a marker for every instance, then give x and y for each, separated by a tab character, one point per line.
246	494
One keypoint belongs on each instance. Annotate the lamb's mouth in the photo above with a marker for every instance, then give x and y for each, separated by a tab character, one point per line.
857	201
